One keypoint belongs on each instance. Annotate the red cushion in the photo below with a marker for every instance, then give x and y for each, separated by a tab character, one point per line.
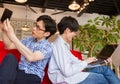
4	51
46	79
77	54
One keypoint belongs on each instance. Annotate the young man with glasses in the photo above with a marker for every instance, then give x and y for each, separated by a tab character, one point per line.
35	51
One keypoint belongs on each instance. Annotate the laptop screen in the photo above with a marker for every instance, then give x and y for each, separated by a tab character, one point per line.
107	51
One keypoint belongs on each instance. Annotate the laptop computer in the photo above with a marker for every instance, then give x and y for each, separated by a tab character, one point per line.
105	53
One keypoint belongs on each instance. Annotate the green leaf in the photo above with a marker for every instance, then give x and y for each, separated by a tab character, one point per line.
92	38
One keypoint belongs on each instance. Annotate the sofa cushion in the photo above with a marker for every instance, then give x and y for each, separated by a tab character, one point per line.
4	51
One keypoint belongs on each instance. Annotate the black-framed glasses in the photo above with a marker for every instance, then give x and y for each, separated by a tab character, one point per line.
38	27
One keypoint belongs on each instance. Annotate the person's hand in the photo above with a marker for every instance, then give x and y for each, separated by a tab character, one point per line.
108	60
91	59
9	29
1	26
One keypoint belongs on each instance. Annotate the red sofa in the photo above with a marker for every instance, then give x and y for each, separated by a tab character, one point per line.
45	80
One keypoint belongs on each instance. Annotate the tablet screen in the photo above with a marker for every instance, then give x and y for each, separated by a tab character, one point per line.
6	14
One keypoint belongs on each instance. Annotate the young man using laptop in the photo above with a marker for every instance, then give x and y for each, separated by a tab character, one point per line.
64	68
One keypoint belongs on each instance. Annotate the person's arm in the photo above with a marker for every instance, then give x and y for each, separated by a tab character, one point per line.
8	43
67	64
29	55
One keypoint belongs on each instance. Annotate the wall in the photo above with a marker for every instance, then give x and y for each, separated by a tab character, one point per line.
20	12
19	16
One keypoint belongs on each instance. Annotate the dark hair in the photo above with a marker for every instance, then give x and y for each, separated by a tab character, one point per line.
50	24
68	22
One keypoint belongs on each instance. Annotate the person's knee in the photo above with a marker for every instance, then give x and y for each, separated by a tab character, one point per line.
95	78
11	58
105	68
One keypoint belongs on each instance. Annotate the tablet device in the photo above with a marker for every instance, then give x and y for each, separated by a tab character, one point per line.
6	14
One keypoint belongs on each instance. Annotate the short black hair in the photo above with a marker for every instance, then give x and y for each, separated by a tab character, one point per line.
68	22
50	24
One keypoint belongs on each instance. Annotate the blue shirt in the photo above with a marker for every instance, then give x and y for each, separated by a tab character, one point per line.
37	67
64	68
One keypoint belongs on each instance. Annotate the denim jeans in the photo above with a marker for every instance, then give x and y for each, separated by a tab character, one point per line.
8	69
9	73
27	78
101	75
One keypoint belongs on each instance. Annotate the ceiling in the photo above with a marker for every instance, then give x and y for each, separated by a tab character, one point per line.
105	7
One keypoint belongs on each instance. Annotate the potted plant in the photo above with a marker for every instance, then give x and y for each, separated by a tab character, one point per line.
96	33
